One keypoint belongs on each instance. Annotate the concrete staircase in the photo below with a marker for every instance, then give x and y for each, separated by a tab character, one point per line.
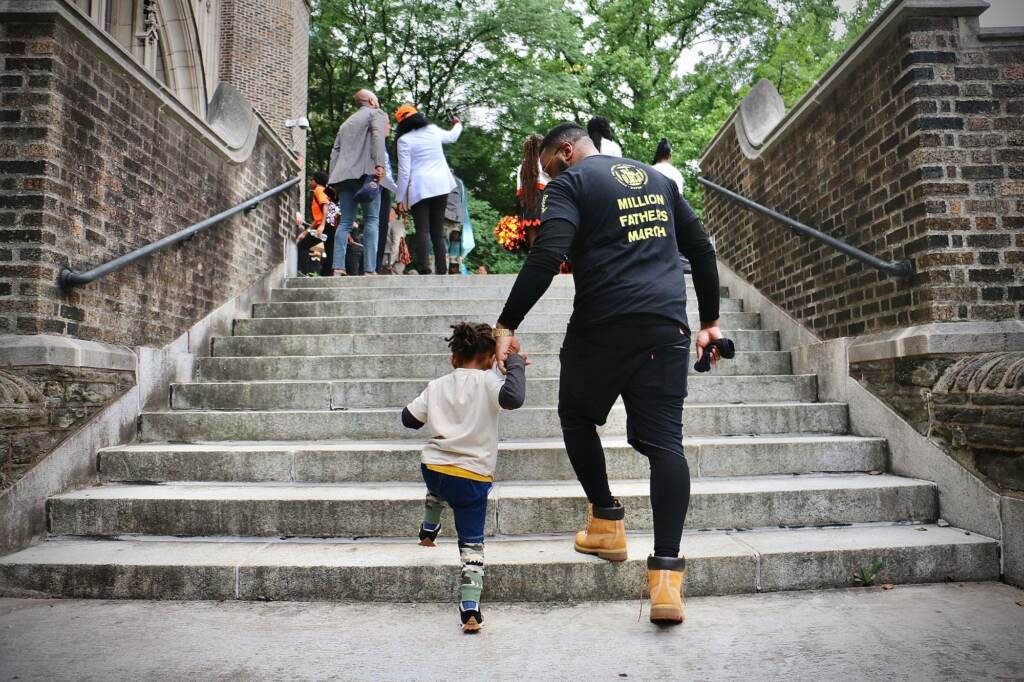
283	472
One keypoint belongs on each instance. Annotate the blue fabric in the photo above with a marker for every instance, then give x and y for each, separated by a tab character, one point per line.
468	241
467	498
371	218
368	192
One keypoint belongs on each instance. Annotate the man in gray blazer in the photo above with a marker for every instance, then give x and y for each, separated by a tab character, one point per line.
358	151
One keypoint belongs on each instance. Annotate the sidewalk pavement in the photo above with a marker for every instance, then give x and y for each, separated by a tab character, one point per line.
926	632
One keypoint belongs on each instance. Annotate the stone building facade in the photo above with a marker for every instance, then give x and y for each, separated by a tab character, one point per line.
916	153
910	148
121	122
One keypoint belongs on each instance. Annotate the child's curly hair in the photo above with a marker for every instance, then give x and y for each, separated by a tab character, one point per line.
469	341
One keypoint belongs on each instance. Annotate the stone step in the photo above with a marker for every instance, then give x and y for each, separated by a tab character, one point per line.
360	393
530	570
396	344
424	292
440	323
417	280
396	509
522	461
428	366
528	422
486	309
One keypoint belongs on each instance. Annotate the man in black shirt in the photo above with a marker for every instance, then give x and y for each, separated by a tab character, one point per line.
622	225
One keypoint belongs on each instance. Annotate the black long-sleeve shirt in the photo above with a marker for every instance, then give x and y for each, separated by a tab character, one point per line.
622	225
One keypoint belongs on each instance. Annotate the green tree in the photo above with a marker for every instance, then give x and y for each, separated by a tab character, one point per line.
486	164
440	55
512	67
809	42
632	51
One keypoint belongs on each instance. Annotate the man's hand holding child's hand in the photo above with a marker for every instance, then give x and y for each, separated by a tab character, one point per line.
505	346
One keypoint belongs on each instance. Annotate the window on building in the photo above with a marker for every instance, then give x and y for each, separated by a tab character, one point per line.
160	65
108	15
161	35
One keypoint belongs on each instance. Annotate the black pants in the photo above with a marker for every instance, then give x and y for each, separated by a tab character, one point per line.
647	366
306	265
327	264
302	247
383	226
428	216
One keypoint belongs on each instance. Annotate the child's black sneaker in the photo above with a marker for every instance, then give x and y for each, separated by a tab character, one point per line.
472	619
428	533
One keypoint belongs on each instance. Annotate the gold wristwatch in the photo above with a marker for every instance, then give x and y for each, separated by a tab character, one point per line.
501	331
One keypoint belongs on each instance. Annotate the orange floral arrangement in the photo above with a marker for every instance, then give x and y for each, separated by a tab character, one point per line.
510	233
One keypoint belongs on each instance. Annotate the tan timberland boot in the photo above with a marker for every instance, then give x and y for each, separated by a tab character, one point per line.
665	576
605	535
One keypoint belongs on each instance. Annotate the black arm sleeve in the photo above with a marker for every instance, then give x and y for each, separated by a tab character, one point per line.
541	266
513	393
694	244
409	421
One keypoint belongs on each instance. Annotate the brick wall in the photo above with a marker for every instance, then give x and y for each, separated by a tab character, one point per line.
264	52
918	153
93	165
40	406
300	70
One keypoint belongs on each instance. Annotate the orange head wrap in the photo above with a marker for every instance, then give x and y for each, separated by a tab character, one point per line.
403	112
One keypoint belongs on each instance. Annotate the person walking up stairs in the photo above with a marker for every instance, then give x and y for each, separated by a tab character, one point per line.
460	411
625	226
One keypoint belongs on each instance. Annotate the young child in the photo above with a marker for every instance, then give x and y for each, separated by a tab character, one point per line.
318	200
332	216
460	411
311	235
392	262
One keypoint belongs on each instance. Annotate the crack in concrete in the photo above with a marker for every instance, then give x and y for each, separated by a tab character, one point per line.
757	559
237	577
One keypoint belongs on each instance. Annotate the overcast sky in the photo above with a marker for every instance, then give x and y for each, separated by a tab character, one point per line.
1004	13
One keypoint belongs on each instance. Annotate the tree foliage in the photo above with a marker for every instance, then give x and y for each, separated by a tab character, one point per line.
512	67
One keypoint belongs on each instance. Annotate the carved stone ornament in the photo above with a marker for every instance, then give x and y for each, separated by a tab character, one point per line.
16	390
986	373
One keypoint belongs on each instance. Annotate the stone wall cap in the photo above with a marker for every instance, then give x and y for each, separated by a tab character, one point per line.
232	116
1001	33
758	115
42	349
937	338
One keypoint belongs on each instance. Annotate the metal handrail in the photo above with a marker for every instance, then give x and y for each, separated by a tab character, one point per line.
69	278
903	268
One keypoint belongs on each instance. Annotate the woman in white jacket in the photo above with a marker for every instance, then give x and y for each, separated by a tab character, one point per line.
424	182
